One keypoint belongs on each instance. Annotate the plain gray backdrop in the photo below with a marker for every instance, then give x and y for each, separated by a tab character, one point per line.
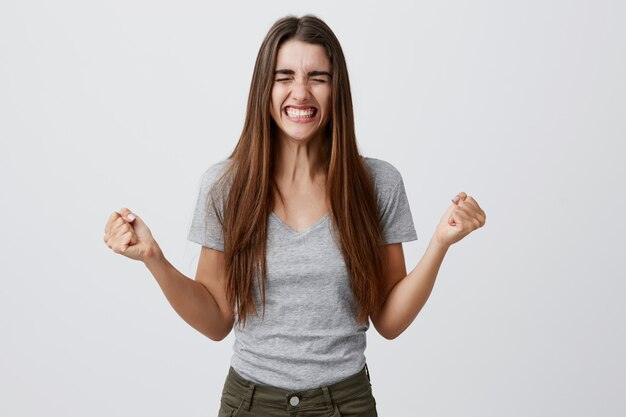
521	104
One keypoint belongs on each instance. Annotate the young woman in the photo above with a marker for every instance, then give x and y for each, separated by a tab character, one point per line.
301	240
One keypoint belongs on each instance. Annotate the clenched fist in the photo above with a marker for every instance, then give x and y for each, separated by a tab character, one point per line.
127	234
462	217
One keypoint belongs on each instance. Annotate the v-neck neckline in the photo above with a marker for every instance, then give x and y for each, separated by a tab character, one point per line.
300	232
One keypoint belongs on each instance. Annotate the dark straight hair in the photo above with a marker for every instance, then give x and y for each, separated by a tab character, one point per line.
248	187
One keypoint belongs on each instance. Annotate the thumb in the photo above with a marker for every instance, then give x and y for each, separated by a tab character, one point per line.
447	216
140	227
127	215
132	218
142	231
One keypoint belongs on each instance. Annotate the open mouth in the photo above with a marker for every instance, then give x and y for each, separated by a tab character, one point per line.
300	113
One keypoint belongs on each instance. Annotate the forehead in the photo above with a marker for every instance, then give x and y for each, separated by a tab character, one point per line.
295	54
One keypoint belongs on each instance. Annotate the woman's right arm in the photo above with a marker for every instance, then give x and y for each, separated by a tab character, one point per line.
202	302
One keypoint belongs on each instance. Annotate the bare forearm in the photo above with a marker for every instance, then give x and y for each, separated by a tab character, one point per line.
409	295
189	298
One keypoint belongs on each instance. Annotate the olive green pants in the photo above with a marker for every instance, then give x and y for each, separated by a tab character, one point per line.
351	397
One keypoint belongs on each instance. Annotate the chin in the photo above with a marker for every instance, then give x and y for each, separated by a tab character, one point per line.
303	136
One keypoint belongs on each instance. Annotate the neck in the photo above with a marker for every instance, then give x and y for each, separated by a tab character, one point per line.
297	161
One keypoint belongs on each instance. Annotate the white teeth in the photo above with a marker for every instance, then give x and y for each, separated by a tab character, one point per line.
291	112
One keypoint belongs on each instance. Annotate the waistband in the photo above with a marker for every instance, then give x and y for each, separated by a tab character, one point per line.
248	393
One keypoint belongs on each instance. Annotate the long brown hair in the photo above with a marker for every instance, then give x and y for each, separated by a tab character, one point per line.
249	186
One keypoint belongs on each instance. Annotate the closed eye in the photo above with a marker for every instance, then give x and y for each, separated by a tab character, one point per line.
314	80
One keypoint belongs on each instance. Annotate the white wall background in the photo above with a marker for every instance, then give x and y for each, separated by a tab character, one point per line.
117	104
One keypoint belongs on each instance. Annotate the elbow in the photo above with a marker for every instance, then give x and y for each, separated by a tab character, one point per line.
387	331
221	327
218	332
390	335
218	336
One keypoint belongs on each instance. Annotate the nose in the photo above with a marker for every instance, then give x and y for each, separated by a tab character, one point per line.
300	90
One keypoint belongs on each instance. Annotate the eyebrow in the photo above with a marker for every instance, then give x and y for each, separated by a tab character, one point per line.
310	73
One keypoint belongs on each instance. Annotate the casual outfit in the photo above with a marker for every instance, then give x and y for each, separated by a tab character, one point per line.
308	339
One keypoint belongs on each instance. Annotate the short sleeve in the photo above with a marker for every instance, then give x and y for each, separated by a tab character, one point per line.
206	227
393	205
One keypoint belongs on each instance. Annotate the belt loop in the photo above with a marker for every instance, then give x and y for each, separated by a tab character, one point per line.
367	372
247	400
329	401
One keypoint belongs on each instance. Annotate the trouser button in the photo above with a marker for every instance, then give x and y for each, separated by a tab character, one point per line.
294	400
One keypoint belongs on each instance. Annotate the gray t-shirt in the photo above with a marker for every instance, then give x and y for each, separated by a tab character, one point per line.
309	336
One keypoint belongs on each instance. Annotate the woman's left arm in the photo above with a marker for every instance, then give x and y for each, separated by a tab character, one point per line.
405	295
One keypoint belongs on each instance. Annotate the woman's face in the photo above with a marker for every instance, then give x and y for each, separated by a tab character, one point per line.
300	103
